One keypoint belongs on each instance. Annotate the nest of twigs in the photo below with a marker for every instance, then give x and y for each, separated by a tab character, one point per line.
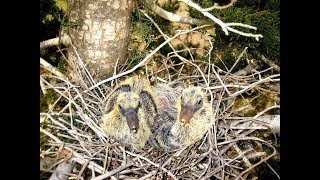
234	147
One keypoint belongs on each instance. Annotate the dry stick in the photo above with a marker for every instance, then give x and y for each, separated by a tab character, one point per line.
80	112
52	69
114	71
146	58
256	83
78	158
218	76
261	161
217	6
248	69
244	158
265	110
228	85
270	63
166	66
57	77
87	73
110	173
58	99
56	122
73	101
209	59
235	140
65	39
55	103
120	168
149	161
170	16
44	92
70	110
256	155
43	89
60	172
273	170
225	26
234	65
240	138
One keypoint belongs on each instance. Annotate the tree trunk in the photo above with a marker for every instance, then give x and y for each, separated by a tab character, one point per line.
101	35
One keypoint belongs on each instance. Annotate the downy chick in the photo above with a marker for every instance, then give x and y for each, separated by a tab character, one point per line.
186	115
127	121
141	86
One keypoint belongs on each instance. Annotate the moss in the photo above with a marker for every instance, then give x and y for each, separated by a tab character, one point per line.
142	28
62	4
171	6
43	102
62	65
50	97
45	175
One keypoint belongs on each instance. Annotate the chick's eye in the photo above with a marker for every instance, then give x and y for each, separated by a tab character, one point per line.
199	101
120	107
139	105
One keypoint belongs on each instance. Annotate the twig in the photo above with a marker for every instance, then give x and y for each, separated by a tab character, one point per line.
225	27
149	161
238	59
77	157
256	83
273	170
65	39
261	161
171	16
222	83
217	6
270	63
110	173
265	110
52	69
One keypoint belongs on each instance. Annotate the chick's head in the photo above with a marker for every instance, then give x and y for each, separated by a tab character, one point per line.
128	106
189	104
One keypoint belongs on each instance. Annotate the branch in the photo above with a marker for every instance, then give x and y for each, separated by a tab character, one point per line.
65	39
270	63
217	6
110	173
261	122
52	69
171	16
77	157
225	26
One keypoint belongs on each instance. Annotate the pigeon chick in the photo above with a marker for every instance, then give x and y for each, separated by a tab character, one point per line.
185	116
141	86
127	121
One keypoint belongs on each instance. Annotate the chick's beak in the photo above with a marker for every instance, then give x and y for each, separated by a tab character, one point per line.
133	121
186	114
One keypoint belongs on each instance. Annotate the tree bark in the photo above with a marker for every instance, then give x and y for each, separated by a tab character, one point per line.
101	35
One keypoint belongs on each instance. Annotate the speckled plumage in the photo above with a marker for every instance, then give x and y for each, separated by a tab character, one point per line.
135	89
170	130
115	123
139	85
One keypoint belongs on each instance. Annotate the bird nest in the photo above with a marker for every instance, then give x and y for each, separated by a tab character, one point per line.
233	148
